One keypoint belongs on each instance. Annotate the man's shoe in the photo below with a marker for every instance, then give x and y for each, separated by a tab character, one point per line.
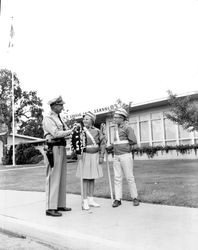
64	209
136	202
116	203
53	212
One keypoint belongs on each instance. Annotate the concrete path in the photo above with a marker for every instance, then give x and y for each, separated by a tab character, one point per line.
147	227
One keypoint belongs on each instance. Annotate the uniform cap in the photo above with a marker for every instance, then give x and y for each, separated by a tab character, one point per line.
121	111
91	115
57	100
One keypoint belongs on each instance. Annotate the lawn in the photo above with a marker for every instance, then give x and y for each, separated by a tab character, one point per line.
169	182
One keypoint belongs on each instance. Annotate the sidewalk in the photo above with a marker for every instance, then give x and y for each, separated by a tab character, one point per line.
147	227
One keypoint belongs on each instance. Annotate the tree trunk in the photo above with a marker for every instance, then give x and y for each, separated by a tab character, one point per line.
4	139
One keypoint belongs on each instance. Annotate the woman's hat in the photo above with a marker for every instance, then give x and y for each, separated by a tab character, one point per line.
91	115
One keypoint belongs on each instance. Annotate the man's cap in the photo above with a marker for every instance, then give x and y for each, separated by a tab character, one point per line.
91	115
121	111
57	100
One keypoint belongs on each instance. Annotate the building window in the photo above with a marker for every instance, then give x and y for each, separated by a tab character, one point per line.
134	127
170	129
185	142
196	134
156	128
183	133
171	143
133	119
155	116
144	144
158	143
144	117
144	131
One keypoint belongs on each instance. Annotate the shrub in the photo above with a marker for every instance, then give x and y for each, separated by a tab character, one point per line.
27	154
35	159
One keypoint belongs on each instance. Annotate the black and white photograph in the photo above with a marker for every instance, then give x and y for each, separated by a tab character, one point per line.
99	125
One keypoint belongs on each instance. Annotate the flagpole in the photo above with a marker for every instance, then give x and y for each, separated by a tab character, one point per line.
13	123
13	107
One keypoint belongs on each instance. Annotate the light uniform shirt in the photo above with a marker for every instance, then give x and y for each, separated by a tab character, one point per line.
126	134
99	139
53	127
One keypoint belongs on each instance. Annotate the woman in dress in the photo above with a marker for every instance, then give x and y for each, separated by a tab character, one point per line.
92	158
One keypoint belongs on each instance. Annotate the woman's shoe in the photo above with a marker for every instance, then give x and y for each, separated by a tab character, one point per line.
92	203
85	205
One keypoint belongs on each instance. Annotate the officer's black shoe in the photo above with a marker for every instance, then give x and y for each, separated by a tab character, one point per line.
116	203
53	212
64	209
136	202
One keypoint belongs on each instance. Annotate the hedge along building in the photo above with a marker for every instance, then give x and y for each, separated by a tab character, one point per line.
152	128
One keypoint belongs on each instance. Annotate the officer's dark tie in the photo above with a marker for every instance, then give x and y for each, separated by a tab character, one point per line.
62	122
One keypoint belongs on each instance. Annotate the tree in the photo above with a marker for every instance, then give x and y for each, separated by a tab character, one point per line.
28	106
29	114
32	127
184	111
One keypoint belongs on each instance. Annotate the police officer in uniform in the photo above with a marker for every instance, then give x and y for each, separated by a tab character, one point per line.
55	132
124	138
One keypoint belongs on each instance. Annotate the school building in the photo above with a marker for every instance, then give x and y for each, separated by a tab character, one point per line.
151	126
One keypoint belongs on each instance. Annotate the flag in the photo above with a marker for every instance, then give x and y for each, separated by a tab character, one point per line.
11	44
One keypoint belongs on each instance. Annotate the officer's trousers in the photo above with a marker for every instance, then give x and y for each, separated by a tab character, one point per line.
56	180
124	164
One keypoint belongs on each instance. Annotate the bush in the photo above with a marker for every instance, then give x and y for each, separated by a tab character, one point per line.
36	159
27	154
151	151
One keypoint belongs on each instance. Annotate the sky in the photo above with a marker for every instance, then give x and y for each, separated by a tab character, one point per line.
94	52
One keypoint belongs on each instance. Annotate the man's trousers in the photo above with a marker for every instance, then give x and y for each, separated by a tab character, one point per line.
124	164
56	180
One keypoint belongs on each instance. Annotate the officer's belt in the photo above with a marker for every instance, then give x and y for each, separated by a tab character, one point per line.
121	142
57	142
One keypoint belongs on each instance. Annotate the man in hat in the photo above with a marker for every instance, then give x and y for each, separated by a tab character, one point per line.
55	132
124	138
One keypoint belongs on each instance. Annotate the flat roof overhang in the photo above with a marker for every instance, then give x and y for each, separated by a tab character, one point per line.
143	106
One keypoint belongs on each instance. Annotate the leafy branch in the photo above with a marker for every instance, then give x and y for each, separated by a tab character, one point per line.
184	111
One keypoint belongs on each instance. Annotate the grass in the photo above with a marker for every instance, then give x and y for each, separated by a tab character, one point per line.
168	182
